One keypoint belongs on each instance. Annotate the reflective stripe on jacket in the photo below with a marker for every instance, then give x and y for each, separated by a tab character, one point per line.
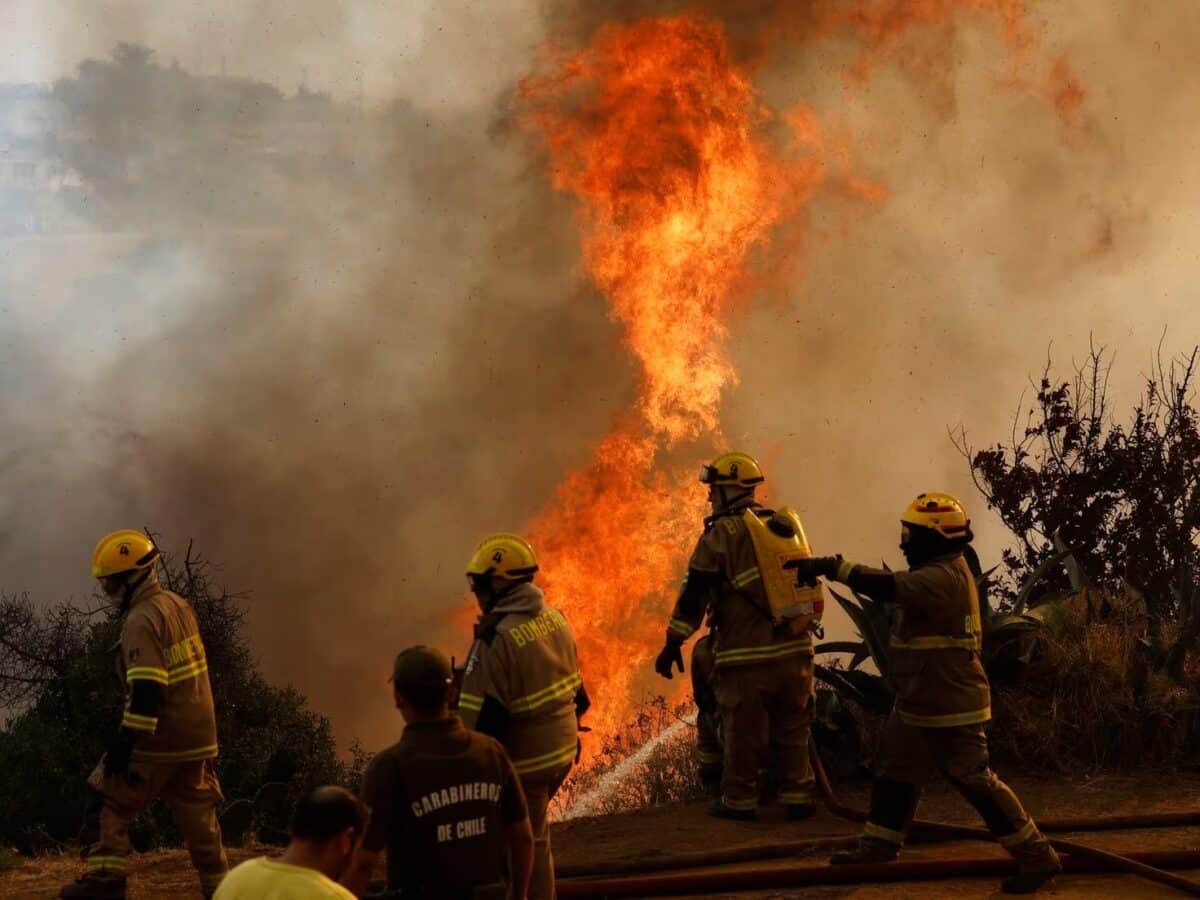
160	642
525	661
935	645
740	612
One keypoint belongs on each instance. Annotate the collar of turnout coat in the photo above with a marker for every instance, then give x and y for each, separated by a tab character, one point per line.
525	598
147	588
939	560
736	509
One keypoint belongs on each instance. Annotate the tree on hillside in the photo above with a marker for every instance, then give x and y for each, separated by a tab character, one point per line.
159	144
58	680
1123	497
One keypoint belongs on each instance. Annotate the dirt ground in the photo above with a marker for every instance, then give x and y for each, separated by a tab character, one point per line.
663	831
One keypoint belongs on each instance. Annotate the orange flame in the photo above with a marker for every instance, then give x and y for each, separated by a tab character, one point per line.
655	131
658	134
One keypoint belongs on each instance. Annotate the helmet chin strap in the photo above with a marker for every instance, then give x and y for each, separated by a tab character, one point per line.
729	494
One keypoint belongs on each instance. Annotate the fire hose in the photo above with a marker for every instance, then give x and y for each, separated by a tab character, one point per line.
732	880
1080	858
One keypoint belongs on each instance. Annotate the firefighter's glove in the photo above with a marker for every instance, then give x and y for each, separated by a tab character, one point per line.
670	655
808	570
120	749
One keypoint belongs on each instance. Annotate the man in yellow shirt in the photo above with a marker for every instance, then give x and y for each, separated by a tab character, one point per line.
326	828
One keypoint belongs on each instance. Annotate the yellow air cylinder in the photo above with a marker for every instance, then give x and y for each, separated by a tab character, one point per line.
777	540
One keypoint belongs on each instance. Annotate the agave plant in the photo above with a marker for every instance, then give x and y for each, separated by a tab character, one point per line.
1010	639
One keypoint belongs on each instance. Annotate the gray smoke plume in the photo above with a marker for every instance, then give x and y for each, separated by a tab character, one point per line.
337	340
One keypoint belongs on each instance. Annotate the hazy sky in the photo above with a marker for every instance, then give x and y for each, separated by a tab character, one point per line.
440	323
408	48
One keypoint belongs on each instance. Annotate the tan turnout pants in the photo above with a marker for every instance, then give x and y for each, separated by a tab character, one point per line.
192	793
909	756
708	730
539	791
766	707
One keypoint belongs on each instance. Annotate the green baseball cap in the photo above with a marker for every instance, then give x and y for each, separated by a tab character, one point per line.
421	665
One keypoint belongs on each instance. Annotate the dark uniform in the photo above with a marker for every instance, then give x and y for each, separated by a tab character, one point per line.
173	752
764	673
440	802
942	703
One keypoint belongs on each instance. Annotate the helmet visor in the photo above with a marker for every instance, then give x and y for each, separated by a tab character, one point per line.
708	474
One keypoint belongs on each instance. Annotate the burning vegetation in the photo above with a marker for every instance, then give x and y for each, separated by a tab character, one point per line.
692	189
681	175
655	131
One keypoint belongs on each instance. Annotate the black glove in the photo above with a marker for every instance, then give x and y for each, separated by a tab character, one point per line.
807	570
671	654
120	749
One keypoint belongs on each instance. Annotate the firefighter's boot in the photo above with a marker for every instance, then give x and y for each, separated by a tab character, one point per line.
868	850
1029	881
94	886
1015	831
1035	870
893	804
721	811
798	812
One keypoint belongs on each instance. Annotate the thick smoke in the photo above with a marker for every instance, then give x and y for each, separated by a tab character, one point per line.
337	358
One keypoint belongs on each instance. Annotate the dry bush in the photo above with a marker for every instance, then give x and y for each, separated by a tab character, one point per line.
652	760
1090	699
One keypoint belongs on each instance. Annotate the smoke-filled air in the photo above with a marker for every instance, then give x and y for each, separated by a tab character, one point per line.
334	293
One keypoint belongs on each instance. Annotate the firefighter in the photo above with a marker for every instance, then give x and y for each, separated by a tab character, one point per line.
522	683
763	667
942	694
167	738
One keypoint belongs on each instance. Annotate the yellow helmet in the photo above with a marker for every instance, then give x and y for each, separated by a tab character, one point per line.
732	468
123	551
506	556
942	513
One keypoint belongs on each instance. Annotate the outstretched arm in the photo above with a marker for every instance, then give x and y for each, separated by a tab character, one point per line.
875	583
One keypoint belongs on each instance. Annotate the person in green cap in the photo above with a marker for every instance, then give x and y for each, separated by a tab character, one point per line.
446	803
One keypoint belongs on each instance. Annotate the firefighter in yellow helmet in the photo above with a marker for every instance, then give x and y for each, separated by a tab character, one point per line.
942	694
522	683
763	663
167	738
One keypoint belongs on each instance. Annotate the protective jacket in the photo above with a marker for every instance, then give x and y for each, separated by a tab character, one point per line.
522	683
160	643
723	578
935	643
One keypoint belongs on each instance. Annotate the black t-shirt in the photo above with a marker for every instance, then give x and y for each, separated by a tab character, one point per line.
440	801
